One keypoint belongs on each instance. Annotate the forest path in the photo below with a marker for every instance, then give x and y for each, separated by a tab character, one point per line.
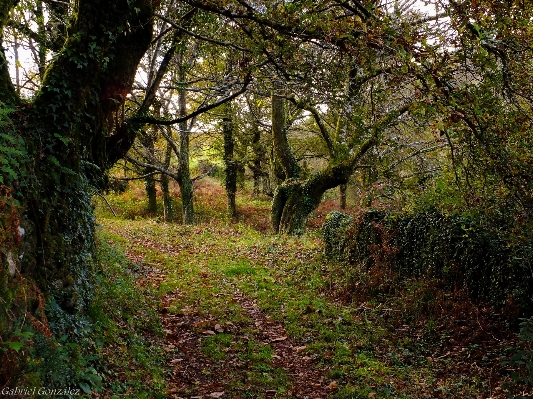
253	315
219	342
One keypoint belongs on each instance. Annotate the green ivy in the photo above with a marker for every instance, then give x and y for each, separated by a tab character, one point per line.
12	149
485	256
521	359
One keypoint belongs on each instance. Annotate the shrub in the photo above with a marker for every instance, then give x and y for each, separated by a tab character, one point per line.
521	360
484	256
334	232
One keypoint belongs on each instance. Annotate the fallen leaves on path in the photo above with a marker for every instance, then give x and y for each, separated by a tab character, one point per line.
193	374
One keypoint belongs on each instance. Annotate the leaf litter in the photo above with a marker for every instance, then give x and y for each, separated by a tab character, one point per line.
195	374
197	369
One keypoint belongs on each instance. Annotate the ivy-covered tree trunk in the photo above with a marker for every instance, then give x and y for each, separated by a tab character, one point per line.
73	132
258	152
296	197
168	212
149	181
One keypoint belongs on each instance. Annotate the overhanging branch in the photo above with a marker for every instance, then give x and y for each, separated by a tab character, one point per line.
201	110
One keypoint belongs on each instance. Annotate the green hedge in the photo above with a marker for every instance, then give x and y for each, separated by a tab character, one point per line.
489	258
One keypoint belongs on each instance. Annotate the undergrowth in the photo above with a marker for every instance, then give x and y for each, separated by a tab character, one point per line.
113	356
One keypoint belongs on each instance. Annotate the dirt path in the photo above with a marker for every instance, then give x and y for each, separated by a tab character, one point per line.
196	374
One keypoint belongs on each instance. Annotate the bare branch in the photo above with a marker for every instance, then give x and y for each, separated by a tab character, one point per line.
155	167
200	37
201	110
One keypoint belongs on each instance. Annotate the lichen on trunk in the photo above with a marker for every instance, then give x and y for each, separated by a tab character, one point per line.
230	164
184	180
293	202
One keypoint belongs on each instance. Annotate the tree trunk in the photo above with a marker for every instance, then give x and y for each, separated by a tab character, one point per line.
291	206
259	155
342	191
267	186
230	180
151	191
168	213
149	180
295	199
184	181
72	134
282	151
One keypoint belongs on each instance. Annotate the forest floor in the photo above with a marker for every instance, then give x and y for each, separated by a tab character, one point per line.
248	314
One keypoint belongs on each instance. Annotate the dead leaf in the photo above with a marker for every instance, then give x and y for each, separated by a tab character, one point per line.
372	395
218	328
208	332
216	394
279	339
333	386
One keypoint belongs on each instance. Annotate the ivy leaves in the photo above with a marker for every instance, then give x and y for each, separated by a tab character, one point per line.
12	149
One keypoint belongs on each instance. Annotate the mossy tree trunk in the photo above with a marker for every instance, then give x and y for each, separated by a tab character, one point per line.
184	174
296	197
230	164
168	212
342	194
148	141
74	131
259	154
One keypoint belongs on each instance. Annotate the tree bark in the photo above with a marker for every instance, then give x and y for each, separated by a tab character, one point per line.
258	159
230	163
342	191
70	130
168	212
184	181
148	141
282	150
295	199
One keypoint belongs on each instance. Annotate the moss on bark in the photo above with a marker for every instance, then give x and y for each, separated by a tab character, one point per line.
65	130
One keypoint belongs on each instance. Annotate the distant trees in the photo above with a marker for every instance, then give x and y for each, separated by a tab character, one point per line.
370	82
305	68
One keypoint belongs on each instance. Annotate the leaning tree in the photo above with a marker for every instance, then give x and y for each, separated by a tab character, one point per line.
349	57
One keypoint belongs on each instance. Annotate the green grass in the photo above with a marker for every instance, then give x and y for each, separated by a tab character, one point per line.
287	277
126	326
355	344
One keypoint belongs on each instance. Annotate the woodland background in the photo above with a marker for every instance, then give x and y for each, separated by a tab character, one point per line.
411	119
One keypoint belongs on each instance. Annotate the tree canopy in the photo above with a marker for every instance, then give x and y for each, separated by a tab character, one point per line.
400	98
